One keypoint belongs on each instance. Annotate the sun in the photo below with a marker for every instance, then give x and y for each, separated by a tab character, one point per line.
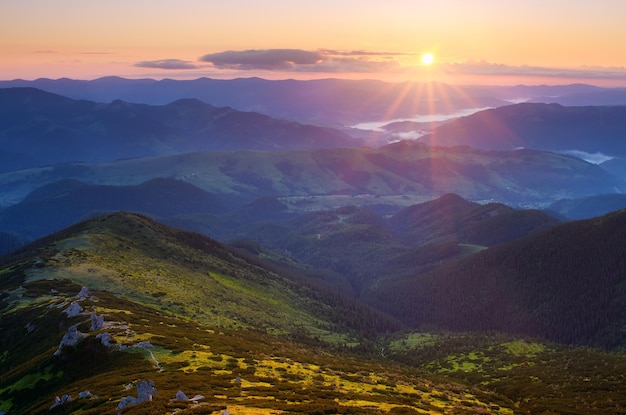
428	59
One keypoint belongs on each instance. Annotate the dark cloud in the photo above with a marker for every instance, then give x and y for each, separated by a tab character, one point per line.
298	60
167	64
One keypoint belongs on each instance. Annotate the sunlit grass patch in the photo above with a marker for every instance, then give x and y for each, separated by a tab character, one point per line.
523	348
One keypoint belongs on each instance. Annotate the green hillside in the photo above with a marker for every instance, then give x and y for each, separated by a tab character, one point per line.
185	313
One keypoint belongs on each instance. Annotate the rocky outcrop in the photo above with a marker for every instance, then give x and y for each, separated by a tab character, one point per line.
83	293
84	395
145	391
73	310
69	339
105	339
61	401
181	397
97	322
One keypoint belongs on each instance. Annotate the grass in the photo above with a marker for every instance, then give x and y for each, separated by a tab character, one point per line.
242	371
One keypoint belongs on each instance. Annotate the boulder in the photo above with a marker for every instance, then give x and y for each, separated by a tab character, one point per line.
127	401
145	391
69	339
105	339
61	401
97	322
73	310
84	394
83	293
180	396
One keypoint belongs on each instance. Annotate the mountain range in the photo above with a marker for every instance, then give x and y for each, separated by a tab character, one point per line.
203	247
47	129
551	127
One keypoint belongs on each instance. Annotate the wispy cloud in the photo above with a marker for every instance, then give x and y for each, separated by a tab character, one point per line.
45	51
493	69
299	60
96	53
167	64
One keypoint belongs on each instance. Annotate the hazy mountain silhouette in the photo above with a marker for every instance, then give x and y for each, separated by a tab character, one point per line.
325	101
588	207
549	127
48	128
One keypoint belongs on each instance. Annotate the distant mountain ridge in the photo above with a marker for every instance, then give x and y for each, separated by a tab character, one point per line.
325	101
46	128
550	127
406	169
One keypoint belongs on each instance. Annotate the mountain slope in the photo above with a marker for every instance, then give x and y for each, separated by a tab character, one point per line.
49	128
550	127
125	251
154	324
410	170
165	301
58	205
365	249
588	207
566	284
452	218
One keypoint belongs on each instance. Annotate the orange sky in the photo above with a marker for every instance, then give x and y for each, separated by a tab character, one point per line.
487	41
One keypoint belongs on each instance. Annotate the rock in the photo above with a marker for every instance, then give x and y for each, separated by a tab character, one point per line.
97	322
105	339
196	398
73	310
145	391
180	396
61	401
127	401
83	293
69	339
84	394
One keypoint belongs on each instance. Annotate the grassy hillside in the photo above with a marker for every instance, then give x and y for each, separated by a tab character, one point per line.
188	314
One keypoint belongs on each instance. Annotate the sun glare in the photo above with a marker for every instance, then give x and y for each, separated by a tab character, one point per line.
428	59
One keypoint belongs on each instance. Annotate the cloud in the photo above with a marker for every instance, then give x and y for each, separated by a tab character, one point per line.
167	64
298	60
493	69
275	59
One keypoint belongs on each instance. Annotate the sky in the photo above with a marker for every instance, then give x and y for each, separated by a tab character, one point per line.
471	42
